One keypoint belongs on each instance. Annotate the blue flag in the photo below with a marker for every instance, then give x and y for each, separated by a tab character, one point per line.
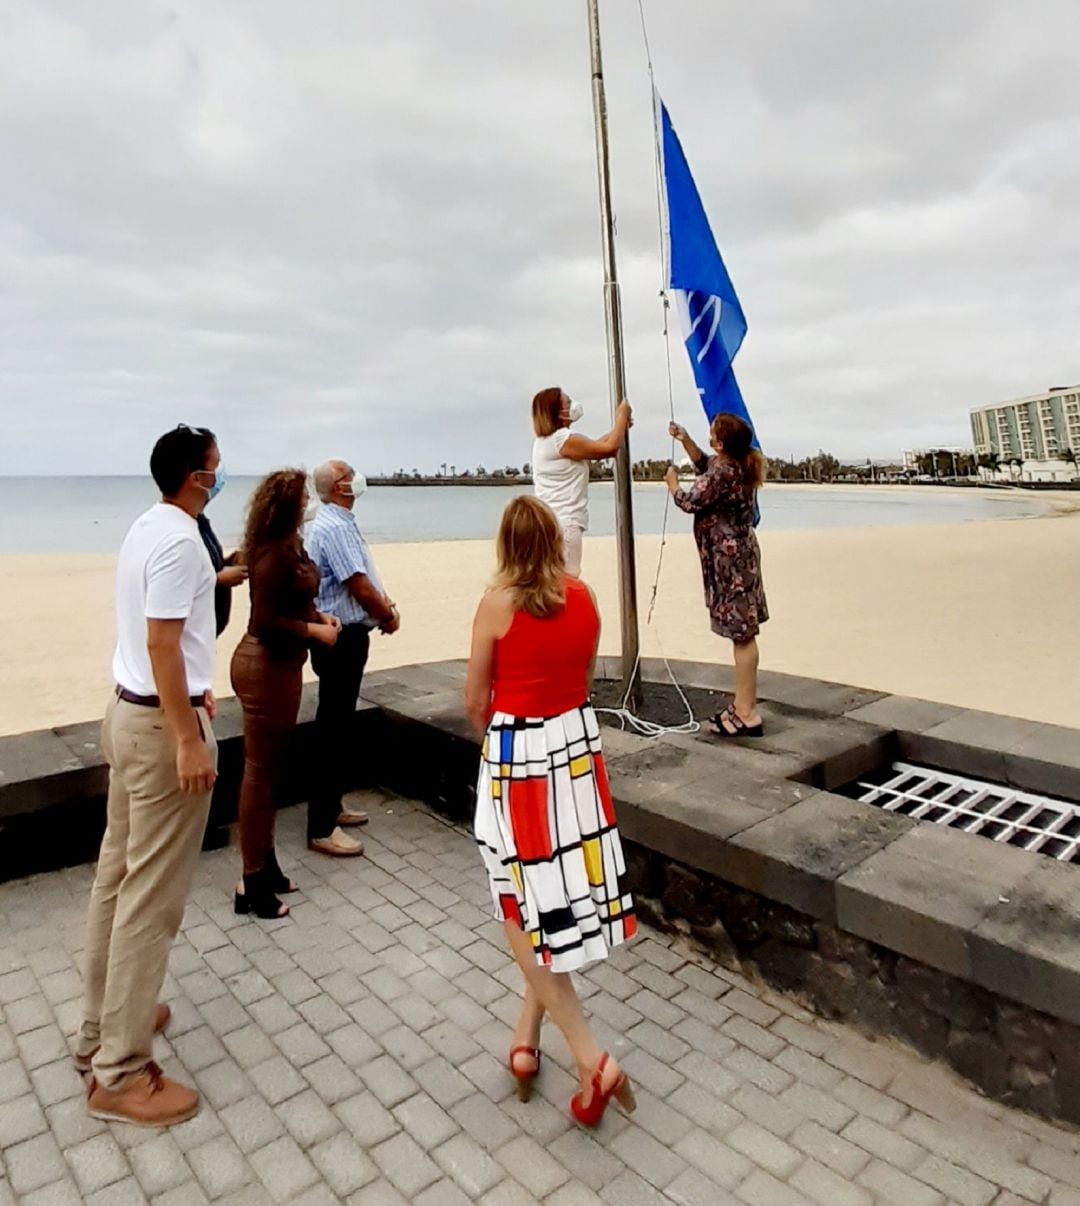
712	318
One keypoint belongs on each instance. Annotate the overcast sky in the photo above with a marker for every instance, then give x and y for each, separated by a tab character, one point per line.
370	229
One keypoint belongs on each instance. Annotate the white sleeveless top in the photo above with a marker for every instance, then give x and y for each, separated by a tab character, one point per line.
560	482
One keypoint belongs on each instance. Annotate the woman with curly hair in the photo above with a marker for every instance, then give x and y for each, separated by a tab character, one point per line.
266	672
722	501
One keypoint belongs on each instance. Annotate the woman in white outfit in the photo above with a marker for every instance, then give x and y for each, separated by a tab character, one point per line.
560	464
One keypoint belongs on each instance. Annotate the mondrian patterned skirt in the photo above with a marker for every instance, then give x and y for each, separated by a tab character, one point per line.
546	829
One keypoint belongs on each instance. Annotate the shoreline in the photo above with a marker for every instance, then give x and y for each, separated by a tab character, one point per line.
1052	499
978	613
72	521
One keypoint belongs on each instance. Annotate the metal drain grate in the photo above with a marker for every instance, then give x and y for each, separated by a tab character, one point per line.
1048	826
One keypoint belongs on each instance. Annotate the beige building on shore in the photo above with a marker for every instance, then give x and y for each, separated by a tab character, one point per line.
1034	439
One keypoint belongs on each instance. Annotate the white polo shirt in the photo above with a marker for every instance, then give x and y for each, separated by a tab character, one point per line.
164	573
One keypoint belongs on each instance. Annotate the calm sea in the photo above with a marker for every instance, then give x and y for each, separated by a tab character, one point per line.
91	514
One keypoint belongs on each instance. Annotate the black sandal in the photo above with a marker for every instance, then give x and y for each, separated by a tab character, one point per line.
276	879
258	898
739	728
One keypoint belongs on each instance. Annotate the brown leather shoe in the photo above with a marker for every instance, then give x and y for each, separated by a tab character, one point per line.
151	1099
351	816
338	844
161	1020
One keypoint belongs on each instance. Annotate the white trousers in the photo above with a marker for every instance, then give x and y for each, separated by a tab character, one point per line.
572	536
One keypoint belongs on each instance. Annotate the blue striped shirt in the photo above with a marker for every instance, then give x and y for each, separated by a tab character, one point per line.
338	549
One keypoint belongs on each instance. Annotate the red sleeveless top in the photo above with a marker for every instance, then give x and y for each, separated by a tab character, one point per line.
541	667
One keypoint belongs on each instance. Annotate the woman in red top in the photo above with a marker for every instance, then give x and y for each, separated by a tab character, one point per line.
544	818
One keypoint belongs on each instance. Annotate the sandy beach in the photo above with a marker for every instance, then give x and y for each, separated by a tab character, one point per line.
977	614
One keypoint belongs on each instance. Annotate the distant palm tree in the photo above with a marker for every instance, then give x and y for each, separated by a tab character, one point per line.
1069	456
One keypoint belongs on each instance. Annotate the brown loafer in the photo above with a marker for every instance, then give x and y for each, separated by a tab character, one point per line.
161	1020
337	845
348	817
150	1099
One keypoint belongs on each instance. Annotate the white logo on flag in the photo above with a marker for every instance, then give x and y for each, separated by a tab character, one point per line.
713	306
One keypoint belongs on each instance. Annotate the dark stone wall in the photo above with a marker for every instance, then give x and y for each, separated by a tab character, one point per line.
1014	1054
435	764
59	820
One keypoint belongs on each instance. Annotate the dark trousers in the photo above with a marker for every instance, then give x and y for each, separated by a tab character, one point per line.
340	670
269	693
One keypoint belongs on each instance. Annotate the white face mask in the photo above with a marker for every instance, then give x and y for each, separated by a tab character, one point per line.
354	488
577	412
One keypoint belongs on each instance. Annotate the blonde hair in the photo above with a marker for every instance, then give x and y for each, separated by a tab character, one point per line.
530	554
546	409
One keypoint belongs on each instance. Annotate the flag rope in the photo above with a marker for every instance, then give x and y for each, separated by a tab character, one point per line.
626	715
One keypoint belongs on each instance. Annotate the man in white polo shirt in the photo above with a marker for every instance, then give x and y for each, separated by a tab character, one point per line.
162	760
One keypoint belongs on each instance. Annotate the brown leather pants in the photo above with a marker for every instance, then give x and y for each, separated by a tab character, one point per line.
269	693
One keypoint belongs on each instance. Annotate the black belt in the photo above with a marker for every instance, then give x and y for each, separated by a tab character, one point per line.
153	701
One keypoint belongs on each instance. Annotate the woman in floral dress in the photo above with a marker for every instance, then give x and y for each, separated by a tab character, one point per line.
722	502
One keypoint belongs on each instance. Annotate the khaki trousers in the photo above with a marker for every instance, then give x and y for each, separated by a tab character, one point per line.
148	855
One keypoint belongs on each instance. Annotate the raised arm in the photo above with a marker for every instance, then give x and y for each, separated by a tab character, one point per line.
581	448
705	490
699	458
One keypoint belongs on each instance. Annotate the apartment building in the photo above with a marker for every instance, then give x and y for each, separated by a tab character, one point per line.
1035	438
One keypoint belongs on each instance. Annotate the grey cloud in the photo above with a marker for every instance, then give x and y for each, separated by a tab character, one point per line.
371	229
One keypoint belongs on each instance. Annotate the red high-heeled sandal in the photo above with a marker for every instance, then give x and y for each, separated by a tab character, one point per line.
524	1079
590	1115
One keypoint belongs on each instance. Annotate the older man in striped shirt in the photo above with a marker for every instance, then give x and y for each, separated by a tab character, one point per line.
349	588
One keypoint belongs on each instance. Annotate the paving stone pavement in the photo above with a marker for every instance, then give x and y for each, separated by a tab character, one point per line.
354	1053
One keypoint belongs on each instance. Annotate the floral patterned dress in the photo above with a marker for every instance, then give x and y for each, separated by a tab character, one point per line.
721	501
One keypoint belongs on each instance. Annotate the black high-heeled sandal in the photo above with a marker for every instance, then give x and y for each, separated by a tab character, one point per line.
276	879
739	727
258	898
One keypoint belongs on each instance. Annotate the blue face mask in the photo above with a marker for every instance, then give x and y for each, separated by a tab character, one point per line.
220	478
